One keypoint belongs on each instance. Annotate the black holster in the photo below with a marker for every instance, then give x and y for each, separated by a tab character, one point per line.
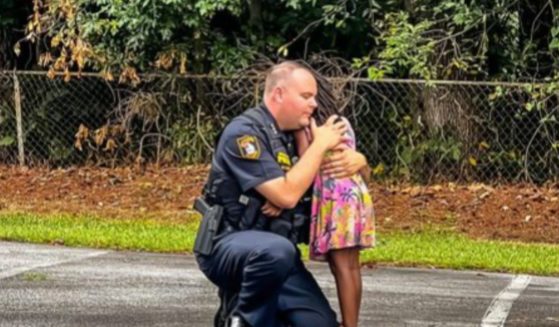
209	226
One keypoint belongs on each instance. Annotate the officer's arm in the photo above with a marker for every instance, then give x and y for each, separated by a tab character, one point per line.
286	191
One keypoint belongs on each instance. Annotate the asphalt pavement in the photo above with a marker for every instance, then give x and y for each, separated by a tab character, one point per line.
43	285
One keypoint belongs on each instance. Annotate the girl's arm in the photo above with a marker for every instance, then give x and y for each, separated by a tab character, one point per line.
346	161
365	171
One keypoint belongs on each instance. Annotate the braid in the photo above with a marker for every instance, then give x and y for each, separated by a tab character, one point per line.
327	103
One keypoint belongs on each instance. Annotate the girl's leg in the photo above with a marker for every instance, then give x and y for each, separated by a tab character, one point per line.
347	273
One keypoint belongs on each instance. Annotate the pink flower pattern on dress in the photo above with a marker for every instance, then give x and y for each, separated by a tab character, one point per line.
341	214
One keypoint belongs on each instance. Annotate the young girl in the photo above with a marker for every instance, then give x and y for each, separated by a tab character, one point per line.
341	220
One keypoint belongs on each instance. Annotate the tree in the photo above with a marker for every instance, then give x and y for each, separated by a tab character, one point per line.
536	37
197	36
438	40
13	16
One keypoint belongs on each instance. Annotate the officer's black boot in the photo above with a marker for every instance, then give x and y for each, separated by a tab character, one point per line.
227	301
220	318
237	321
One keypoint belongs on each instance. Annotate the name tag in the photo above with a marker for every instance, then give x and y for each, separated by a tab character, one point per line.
284	161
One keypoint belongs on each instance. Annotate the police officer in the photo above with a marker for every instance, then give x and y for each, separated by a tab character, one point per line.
258	180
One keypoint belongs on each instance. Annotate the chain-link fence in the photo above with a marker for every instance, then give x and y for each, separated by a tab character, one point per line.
413	130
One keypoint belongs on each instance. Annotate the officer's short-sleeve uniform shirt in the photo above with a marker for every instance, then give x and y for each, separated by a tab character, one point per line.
244	151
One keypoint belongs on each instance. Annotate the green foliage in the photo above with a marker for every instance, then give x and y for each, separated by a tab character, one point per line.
110	36
436	39
423	157
7	122
447	39
6	137
7	16
428	39
407	50
13	15
193	138
197	36
7	141
496	39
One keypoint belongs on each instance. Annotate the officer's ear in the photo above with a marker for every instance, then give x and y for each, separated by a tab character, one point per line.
279	93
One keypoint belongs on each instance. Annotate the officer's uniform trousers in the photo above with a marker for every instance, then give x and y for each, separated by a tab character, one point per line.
274	287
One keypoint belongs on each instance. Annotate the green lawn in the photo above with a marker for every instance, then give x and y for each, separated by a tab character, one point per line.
429	248
88	231
451	250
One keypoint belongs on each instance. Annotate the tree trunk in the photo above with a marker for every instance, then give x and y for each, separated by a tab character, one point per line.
445	109
449	110
255	21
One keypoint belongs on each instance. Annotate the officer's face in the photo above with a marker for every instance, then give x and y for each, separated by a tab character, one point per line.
298	100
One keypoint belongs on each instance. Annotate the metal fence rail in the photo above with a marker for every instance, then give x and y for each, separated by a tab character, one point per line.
413	130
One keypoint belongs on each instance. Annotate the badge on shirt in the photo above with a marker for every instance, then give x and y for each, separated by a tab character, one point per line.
284	161
249	147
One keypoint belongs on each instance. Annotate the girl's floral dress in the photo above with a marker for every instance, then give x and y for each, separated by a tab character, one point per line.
341	214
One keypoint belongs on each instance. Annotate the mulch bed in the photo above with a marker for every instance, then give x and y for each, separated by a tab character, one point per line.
508	212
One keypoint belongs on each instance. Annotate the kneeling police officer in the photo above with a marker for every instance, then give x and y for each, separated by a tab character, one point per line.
253	212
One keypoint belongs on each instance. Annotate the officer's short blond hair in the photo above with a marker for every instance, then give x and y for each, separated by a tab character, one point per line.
280	72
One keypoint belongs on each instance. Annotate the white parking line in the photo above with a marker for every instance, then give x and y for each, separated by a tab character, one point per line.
18	270
498	311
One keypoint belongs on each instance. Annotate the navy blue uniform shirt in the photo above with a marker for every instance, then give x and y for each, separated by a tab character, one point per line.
245	155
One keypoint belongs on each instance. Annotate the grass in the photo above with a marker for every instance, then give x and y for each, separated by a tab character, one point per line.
89	231
428	248
445	249
33	277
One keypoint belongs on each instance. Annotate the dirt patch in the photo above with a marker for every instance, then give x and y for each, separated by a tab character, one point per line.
511	212
164	193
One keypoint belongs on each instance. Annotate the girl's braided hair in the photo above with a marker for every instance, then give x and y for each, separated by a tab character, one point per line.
327	102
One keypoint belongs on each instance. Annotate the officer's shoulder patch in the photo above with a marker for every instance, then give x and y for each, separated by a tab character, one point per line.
249	148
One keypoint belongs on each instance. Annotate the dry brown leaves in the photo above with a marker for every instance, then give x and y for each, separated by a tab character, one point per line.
513	212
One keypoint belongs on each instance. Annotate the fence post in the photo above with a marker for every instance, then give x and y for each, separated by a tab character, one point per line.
19	123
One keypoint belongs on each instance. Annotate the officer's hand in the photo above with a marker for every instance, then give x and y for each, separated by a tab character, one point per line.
271	210
330	134
343	163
